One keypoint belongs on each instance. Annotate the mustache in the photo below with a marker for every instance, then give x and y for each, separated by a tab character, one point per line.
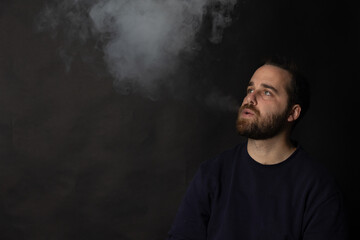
250	107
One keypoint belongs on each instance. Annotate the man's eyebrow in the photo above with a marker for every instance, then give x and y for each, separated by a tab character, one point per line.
251	84
270	87
265	86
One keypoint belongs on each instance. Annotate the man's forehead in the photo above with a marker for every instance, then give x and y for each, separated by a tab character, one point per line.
270	75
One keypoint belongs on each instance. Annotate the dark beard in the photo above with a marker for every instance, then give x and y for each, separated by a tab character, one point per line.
267	128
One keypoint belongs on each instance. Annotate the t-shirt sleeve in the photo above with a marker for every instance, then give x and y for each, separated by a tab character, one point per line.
194	212
326	220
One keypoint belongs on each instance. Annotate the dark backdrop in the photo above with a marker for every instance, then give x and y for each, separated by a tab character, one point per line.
81	160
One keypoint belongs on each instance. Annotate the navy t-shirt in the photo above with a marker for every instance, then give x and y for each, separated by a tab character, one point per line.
234	197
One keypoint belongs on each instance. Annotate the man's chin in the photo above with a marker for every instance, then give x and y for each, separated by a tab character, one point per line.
243	127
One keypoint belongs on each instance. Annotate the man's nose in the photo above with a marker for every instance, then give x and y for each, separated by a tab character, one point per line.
251	98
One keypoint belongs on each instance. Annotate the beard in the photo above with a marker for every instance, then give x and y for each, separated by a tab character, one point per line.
260	128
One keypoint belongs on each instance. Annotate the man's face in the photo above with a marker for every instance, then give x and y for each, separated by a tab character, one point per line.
264	110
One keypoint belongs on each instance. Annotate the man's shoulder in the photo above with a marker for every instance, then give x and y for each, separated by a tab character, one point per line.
314	172
311	164
225	157
212	170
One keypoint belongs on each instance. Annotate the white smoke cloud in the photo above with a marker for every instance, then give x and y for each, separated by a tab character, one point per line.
217	100
146	37
141	39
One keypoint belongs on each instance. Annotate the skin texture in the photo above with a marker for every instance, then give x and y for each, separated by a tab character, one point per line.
265	116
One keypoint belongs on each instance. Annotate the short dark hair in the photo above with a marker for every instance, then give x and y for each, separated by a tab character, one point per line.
299	90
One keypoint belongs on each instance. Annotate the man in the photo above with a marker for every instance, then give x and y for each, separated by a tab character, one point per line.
268	187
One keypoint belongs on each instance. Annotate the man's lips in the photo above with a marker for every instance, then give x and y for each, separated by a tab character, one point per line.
248	112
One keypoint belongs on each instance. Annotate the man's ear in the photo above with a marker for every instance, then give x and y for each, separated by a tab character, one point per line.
294	113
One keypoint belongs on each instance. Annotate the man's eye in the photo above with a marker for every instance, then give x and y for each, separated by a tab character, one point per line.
267	93
250	90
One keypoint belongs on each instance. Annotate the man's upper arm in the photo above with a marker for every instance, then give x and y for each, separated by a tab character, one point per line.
327	221
193	215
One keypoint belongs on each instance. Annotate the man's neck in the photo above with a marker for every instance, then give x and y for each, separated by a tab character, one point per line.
270	151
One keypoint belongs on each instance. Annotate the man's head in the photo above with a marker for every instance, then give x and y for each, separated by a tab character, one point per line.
277	97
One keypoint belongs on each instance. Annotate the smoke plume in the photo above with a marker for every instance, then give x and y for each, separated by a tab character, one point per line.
141	39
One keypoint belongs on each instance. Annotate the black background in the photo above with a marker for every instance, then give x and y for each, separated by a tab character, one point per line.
81	161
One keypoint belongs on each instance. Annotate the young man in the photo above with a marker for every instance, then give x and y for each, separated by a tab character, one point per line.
268	187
